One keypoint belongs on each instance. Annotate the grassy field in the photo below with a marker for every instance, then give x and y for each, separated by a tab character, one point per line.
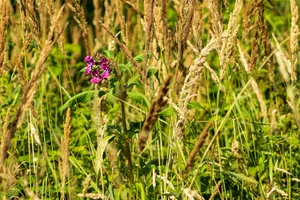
164	99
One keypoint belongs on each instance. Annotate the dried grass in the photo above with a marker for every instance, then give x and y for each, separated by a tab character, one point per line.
254	85
64	146
32	84
3	25
81	21
191	85
294	39
156	106
216	190
200	141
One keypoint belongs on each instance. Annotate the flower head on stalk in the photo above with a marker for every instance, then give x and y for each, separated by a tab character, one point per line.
99	70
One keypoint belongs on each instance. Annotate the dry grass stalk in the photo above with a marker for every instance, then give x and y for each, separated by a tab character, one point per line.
92	196
9	176
133	7
112	155
200	141
29	192
254	49
157	104
83	25
148	25
159	26
186	13
19	59
248	17
294	38
254	85
33	18
32	85
191	84
192	194
230	37
216	190
285	71
216	20
164	18
215	77
86	184
268	51
166	181
97	13
258	27
64	164
4	132
3	25
197	26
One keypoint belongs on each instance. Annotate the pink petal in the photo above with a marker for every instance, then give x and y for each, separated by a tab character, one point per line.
88	59
95	80
88	69
105	74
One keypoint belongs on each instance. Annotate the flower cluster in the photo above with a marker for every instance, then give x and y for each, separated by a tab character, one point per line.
99	70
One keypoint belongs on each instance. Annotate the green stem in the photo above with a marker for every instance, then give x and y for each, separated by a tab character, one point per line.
127	146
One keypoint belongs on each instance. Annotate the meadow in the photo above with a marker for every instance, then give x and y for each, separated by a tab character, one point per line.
153	99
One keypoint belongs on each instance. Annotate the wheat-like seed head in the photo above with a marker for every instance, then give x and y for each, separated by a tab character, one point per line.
294	39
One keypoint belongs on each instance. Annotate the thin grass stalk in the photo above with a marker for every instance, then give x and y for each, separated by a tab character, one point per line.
100	121
148	20
98	11
229	38
64	165
3	26
191	83
184	26
294	39
32	85
254	85
82	24
124	123
216	191
285	71
156	106
4	132
200	141
133	7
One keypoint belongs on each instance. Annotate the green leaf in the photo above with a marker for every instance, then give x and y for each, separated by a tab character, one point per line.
140	189
195	105
126	67
152	71
73	48
134	80
82	70
100	151
243	177
108	53
110	96
81	97
169	111
139	58
139	98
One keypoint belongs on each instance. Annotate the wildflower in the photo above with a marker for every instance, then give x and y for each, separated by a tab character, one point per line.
99	70
90	62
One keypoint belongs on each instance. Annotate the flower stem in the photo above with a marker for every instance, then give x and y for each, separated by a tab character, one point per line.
127	146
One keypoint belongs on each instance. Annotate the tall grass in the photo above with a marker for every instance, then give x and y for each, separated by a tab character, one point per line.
202	101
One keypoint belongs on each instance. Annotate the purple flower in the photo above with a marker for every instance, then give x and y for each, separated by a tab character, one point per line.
105	74
95	80
90	62
88	68
99	70
88	59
